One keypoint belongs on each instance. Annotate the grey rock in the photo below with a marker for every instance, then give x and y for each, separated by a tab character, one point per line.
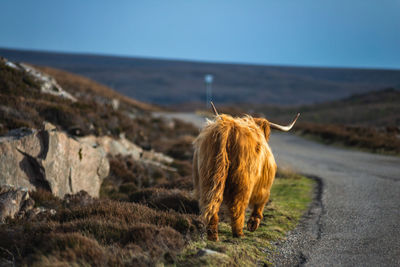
124	147
206	251
113	146
115	104
51	160
48	84
211	253
13	200
38	213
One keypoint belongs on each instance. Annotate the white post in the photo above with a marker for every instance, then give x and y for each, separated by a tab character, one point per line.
208	79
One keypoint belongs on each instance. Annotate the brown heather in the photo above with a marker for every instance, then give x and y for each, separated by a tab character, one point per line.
145	215
99	232
365	138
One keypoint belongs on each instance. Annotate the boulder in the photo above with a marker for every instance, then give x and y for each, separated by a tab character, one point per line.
51	160
13	200
121	146
209	253
124	147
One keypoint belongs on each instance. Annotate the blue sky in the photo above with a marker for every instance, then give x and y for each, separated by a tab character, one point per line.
337	33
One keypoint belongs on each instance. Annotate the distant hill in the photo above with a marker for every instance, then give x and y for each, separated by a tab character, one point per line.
372	109
170	82
368	121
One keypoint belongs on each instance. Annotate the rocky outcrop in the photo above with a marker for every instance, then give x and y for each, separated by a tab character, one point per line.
51	160
14	201
17	203
48	84
124	147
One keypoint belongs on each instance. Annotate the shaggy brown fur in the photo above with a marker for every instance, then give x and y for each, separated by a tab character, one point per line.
233	163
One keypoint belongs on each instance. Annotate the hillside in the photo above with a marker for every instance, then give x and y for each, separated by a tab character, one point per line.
169	82
86	88
104	183
369	121
374	109
49	228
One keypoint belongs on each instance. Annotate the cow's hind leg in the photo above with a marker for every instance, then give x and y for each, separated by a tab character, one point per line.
237	219
257	215
237	208
212	228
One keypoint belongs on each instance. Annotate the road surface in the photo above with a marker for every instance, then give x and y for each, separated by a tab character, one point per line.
355	219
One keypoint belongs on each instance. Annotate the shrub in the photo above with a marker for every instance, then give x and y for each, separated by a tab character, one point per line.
164	199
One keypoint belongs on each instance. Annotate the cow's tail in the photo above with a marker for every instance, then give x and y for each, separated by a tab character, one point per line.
214	173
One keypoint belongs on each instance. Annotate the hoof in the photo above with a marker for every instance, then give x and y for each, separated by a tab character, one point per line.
253	224
213	237
212	234
238	235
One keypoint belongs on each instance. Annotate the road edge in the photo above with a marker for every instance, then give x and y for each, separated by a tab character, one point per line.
291	251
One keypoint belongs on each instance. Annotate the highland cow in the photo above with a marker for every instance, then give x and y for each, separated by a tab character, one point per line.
233	164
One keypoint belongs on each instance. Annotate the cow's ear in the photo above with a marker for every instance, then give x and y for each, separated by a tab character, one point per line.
264	126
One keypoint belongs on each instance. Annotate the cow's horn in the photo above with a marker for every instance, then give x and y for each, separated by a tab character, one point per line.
214	109
284	128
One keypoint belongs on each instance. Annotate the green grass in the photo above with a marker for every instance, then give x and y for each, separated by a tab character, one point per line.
290	197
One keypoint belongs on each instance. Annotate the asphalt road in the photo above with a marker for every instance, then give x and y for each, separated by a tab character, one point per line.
354	220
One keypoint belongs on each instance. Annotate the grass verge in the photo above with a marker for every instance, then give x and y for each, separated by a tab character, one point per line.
290	198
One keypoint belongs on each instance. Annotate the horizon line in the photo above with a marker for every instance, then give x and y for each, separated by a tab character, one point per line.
197	61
